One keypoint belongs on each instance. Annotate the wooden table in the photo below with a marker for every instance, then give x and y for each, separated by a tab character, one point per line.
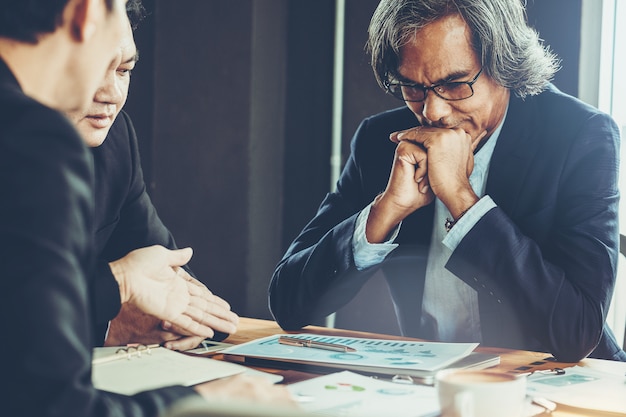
511	361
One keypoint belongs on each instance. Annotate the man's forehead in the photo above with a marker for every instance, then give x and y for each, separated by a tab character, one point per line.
127	45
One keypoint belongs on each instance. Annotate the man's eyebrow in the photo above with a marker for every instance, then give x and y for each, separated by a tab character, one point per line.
455	76
452	77
133	58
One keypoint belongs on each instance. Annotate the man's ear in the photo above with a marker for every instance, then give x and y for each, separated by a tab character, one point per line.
82	17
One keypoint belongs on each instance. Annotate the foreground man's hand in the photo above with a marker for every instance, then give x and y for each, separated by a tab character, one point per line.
246	388
152	280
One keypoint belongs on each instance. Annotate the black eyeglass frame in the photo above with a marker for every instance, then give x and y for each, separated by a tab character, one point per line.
432	88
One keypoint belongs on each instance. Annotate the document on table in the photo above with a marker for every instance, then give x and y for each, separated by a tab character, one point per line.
348	394
582	388
394	354
129	370
374	356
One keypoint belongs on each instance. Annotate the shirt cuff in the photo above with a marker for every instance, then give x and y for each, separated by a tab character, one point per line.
467	221
369	254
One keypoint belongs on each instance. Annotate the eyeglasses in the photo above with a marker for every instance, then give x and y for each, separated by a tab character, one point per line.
450	90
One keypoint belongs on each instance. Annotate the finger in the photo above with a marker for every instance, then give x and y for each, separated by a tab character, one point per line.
220	302
184	343
424	185
213	317
203	292
197	289
421	170
415	157
168	326
194	286
179	257
407	134
179	331
168	333
394	137
417	134
191	326
192	280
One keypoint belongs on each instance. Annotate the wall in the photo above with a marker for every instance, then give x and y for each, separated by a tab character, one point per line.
232	103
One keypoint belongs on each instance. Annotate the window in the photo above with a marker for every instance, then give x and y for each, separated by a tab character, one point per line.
603	69
603	84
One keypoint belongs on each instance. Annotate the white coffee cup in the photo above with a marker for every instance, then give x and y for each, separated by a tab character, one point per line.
480	393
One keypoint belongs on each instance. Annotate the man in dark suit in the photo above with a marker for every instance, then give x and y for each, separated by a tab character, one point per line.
126	219
489	201
52	56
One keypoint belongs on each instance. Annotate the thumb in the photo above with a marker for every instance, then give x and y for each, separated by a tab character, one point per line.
180	257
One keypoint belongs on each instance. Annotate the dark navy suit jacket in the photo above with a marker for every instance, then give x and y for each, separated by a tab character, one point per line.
543	261
46	230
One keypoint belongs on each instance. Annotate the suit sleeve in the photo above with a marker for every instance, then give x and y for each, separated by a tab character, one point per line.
554	268
317	274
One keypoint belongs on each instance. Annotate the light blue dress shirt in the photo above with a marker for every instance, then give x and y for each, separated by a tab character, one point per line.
450	307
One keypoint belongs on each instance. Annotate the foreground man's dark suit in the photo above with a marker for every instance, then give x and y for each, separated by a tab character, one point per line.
46	216
543	262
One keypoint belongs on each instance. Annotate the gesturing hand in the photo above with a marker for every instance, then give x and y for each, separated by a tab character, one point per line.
152	279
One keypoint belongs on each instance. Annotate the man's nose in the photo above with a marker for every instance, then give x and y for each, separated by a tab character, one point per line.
109	91
434	108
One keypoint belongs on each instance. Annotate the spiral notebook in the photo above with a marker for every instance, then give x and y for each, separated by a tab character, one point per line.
131	369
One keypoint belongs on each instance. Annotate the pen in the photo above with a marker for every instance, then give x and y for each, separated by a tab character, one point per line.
553	371
294	341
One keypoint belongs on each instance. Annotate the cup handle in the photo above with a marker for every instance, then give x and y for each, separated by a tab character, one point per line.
464	404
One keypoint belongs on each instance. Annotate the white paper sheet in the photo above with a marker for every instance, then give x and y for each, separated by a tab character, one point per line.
582	388
349	394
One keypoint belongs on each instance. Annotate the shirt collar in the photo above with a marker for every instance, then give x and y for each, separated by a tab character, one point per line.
483	156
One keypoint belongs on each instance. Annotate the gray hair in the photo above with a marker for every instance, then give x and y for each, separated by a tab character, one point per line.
510	51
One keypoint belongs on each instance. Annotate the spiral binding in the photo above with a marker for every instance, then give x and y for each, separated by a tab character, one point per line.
134	351
128	352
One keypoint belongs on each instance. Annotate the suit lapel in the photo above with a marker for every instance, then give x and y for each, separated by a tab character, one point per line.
512	155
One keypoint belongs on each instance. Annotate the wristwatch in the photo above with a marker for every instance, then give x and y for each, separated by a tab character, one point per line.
451	222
